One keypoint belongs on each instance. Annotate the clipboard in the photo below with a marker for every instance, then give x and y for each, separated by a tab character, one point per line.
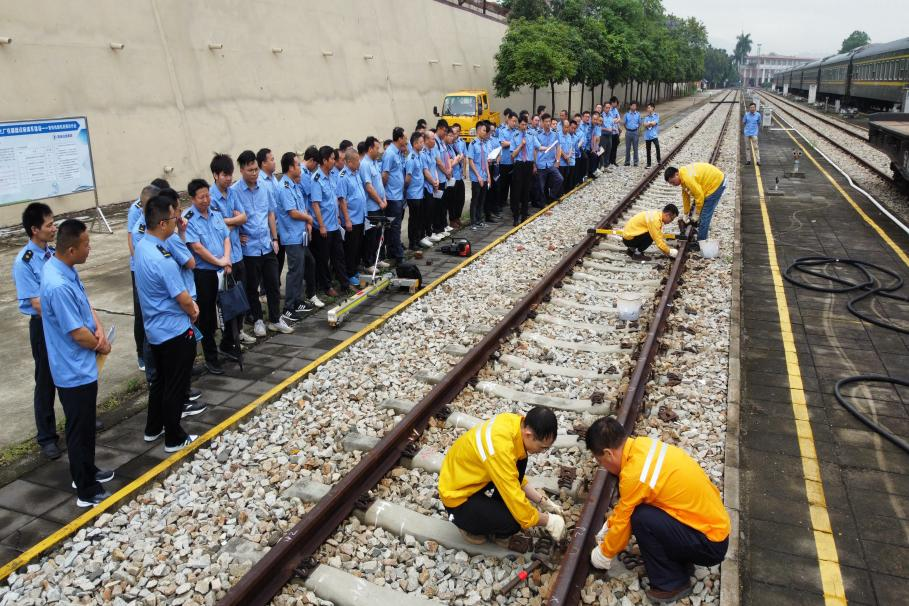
494	154
100	359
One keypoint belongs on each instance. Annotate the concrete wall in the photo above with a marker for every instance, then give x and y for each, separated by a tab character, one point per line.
167	100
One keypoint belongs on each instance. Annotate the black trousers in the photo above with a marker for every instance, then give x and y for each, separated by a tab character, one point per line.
207	300
485	513
439	219
416	222
669	548
263	270
477	201
456	208
640	242
353	243
167	392
79	407
609	151
430	207
299	260
550	182
138	324
504	184
328	251
656	144
580	166
371	239
521	179
45	421
565	171
615	148
238	271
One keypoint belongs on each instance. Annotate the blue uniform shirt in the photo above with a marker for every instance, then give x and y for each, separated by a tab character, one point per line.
290	230
584	133
506	134
566	142
350	187
393	164
652	132
27	270
369	173
546	159
414	167
460	149
323	192
210	232
226	205
134	213
613	126
181	254
270	185
752	123
526	153
632	120
429	163
65	308
479	153
159	282
256	203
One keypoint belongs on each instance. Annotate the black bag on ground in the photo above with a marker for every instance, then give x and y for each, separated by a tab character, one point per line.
409	271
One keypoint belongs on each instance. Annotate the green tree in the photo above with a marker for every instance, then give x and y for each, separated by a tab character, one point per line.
742	48
854	40
526	9
719	68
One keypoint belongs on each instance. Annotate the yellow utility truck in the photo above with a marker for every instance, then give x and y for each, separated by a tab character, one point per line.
466	108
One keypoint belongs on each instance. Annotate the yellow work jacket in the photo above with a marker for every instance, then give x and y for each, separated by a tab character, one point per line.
699	180
650	221
664	476
489	452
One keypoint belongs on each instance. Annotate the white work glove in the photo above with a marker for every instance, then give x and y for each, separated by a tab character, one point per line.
673	253
549	506
602	533
684	218
598	559
556	526
694	218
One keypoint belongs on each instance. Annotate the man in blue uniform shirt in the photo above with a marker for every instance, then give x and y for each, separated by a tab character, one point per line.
506	163
209	240
38	222
327	243
267	179
309	166
523	149
393	180
414	191
294	230
169	313
259	240
632	123
613	120
547	151
566	153
458	169
751	122
652	132
371	176
74	334
353	198
480	179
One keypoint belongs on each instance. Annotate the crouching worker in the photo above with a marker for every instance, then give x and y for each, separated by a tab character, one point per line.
646	228
667	502
482	482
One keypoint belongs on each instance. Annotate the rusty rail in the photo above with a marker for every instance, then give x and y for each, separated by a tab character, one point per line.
575	563
288	556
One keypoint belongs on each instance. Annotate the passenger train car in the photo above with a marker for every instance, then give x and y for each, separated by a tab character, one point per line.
874	76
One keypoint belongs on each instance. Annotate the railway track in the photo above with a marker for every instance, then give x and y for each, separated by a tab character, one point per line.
559	346
203	528
855	130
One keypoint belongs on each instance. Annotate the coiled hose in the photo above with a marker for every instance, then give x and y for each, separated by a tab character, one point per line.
870	286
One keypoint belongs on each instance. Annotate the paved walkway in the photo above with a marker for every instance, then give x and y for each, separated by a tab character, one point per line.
864	479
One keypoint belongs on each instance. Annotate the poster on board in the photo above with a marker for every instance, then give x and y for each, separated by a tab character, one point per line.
44	159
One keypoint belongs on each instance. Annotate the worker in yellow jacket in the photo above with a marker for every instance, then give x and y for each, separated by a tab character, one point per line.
482	482
703	185
667	502
646	228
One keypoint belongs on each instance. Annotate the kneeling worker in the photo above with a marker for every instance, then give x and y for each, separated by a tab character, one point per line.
482	481
667	502
646	228
705	184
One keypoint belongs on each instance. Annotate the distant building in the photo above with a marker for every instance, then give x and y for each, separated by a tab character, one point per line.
760	68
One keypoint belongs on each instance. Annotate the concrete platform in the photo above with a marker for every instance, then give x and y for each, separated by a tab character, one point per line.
865	479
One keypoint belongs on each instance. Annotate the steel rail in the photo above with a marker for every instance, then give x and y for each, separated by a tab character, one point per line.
831	121
575	564
288	557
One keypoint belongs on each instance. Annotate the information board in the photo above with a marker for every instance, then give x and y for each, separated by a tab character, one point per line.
44	159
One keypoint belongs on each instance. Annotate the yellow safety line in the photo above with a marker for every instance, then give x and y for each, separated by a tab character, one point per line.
828	560
880	231
135	485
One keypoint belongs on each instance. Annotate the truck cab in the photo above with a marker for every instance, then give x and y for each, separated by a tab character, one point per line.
466	108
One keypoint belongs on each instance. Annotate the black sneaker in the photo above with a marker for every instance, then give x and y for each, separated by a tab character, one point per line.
231	353
303	308
51	451
191	409
288	317
214	367
95	500
102	476
193	394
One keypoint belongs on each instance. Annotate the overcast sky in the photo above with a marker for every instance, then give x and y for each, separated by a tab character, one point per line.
795	27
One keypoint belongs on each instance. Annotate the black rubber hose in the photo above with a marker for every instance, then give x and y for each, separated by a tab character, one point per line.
870	286
901	443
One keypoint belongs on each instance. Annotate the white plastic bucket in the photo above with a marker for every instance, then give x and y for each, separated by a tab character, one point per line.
710	249
629	306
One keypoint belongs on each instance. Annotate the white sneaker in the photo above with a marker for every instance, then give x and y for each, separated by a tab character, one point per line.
259	328
372	269
280	326
437	237
317	302
426	243
246	339
189	440
383	264
449	229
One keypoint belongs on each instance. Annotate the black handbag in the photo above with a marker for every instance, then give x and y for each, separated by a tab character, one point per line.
232	300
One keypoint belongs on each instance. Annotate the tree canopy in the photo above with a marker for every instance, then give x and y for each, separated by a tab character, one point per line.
854	40
719	68
742	48
590	42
